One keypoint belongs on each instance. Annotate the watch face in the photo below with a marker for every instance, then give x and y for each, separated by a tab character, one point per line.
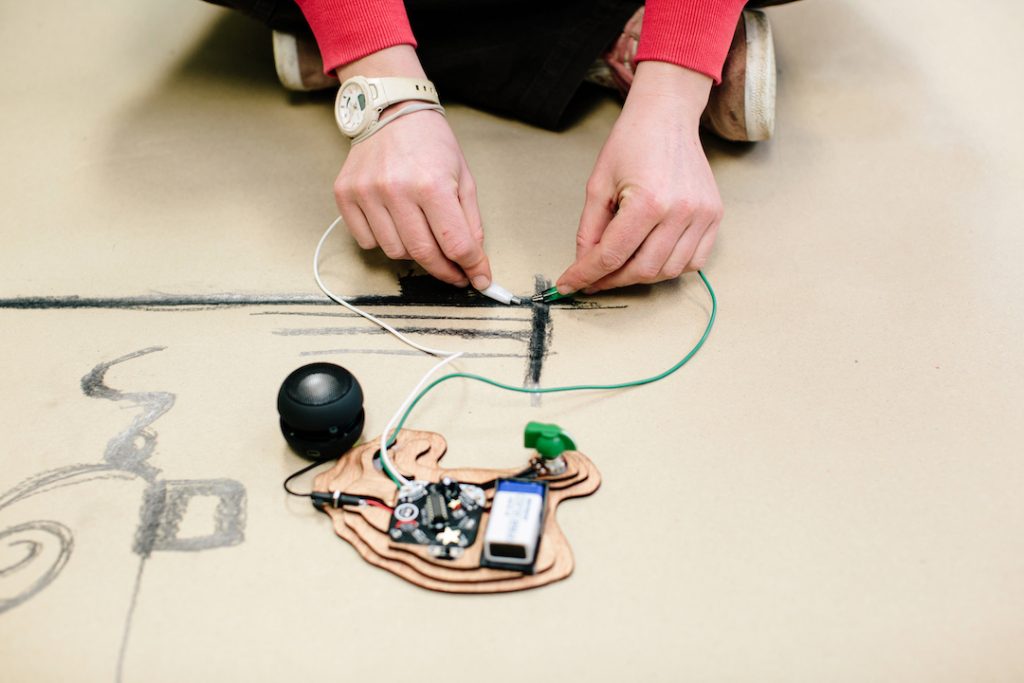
351	108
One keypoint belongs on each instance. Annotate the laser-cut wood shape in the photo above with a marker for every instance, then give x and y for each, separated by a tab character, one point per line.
417	455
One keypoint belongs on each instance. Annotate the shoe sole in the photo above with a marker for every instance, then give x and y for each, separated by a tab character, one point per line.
759	84
286	60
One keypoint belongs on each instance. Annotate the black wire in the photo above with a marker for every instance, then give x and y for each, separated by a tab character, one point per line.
310	466
529	472
305	469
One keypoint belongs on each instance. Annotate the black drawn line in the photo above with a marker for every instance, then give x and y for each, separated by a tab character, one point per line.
164	301
428	290
540	339
414	290
465	333
395	316
404	352
207	302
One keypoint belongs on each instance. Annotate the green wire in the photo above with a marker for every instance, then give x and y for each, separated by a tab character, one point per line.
551	390
387	471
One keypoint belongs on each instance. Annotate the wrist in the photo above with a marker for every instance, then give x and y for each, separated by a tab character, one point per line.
398	60
665	84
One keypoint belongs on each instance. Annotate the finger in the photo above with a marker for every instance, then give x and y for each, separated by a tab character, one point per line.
357	225
384	230
420	244
597	213
470	206
626	231
355	221
703	250
450	229
675	265
647	263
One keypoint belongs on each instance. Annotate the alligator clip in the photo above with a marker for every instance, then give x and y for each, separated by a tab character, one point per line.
550	295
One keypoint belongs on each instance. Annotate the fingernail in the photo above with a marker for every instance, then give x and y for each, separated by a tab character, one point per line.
590	290
481	282
564	289
462	283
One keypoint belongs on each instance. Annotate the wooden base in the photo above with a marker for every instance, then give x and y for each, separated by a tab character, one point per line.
417	455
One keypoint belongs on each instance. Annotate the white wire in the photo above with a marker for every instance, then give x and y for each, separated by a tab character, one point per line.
371	318
385	458
446	356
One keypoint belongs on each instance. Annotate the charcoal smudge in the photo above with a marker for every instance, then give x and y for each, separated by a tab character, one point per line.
540	339
465	333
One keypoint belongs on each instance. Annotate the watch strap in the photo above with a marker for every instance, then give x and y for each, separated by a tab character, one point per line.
395	89
408	109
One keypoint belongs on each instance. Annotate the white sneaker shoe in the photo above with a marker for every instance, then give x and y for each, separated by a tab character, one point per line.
298	62
742	107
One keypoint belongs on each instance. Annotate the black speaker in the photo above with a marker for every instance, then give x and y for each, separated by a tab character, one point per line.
321	409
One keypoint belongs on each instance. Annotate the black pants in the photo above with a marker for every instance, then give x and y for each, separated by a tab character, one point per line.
519	58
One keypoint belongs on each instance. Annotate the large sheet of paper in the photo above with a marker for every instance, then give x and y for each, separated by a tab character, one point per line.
829	491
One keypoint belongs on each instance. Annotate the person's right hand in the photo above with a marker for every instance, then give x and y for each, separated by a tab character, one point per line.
408	190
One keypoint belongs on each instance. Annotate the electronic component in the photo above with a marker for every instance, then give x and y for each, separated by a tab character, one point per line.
515	525
550	441
501	295
321	409
550	295
443	516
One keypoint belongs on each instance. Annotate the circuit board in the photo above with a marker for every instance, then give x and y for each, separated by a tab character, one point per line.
443	516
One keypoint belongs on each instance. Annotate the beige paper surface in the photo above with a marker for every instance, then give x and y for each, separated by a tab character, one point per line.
831	490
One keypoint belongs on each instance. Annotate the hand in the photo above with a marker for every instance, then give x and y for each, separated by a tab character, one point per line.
408	190
652	209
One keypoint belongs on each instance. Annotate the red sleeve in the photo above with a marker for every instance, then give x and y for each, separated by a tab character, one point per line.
691	33
347	30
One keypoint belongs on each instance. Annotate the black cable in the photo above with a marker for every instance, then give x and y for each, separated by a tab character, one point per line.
529	472
310	466
302	471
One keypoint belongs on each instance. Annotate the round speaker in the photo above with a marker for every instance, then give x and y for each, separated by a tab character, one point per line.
321	409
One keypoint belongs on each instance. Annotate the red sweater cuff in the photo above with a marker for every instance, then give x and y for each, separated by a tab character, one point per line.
695	34
347	30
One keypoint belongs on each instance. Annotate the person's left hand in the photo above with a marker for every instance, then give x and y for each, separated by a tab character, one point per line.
652	209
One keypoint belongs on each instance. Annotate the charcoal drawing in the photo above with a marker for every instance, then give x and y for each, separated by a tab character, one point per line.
126	456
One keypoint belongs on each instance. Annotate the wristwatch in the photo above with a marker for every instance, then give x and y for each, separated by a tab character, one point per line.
361	100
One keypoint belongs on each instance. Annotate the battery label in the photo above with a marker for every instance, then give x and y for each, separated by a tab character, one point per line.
515	523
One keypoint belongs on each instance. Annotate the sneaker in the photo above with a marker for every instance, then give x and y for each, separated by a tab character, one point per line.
742	107
298	62
615	68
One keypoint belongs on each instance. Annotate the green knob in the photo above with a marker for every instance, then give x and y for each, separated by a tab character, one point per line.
548	440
